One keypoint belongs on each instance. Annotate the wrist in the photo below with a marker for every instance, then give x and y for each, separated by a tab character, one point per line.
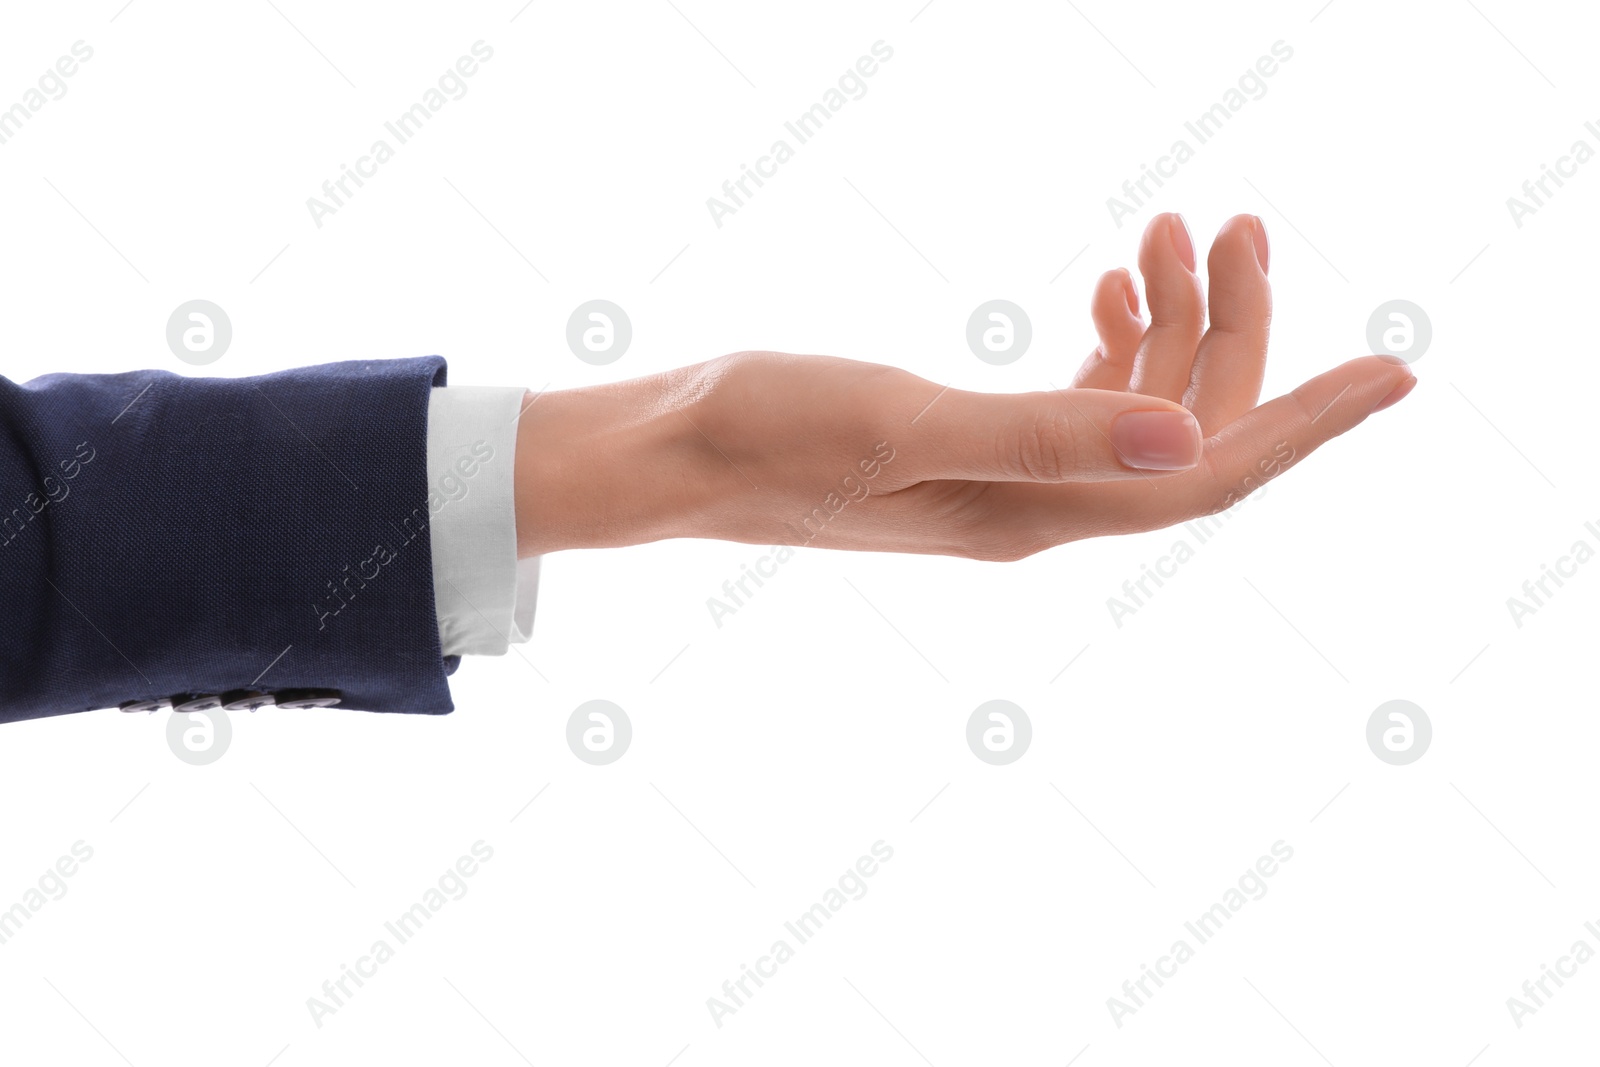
607	466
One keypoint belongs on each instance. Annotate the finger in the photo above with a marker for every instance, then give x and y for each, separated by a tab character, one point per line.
1069	435
1177	309
1115	310
1280	433
1225	381
1243	457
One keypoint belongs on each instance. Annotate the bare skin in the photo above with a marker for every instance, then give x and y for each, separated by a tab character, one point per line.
1161	425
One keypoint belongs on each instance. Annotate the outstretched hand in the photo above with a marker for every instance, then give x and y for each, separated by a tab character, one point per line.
1161	425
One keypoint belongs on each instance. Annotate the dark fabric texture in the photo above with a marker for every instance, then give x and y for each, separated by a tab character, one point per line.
164	535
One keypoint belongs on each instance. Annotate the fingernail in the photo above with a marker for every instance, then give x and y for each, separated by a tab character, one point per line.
1397	394
1131	293
1182	243
1156	440
1396	360
1258	231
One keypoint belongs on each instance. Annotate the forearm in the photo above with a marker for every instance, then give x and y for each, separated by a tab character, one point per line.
609	465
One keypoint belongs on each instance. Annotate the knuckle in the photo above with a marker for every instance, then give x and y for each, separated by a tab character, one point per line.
1213	498
1222	493
1047	450
1304	406
999	553
1215	502
1006	546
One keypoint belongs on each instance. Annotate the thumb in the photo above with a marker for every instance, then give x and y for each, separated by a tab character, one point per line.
1069	435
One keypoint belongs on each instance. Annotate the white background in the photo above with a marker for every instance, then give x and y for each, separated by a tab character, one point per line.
829	713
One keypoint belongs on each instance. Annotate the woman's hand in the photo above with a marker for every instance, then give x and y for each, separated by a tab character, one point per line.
1160	426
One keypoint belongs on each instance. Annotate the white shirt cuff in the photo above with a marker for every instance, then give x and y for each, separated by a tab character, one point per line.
483	595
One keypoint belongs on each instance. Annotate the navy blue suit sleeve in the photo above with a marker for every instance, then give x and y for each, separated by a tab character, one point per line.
165	535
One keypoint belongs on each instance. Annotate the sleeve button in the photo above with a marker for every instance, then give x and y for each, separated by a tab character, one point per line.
246	700
309	698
